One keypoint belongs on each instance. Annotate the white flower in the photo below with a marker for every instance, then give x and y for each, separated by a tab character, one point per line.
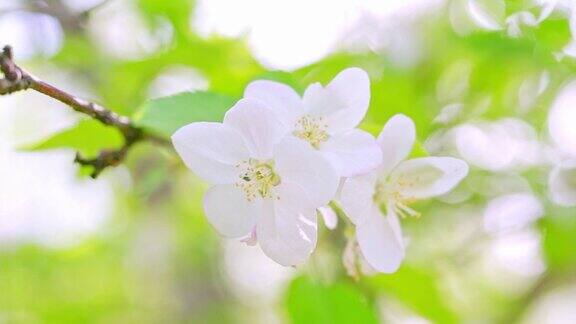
562	184
373	201
262	180
326	118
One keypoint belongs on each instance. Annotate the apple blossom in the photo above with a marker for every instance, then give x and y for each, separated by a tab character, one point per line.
326	118
562	184
374	201
265	184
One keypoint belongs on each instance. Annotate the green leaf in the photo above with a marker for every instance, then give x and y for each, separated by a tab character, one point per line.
313	302
419	291
553	34
176	11
559	239
165	115
87	137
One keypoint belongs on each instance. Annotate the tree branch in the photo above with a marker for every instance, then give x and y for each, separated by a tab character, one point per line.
16	79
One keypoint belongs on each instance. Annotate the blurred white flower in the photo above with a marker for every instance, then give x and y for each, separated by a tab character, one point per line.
515	21
500	145
119	30
487	14
42	201
392	186
512	212
33	34
262	179
470	15
326	118
323	25
562	184
562	118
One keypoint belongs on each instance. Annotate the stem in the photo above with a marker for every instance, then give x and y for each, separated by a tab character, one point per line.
16	79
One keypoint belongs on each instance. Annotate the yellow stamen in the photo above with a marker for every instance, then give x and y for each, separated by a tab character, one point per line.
390	197
257	178
311	129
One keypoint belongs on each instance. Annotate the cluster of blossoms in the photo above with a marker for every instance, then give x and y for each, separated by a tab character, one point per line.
278	157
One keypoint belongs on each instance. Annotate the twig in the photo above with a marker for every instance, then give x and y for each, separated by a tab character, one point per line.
16	79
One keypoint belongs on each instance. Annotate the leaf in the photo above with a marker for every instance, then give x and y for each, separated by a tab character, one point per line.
419	291
87	137
176	11
165	115
312	302
559	239
553	34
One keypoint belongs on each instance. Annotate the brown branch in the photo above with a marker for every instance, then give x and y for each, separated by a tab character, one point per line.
16	79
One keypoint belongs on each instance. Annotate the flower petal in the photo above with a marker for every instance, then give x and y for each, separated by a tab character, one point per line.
379	243
394	222
282	99
343	102
396	140
427	177
562	184
230	212
357	197
329	216
258	125
211	150
288	232
352	153
297	162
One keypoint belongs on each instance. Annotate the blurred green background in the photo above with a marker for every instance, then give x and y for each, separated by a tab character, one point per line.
488	81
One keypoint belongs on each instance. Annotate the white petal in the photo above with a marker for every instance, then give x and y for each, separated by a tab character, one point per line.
427	177
396	140
211	150
352	153
288	232
297	162
357	197
252	239
282	99
487	14
329	216
562	184
230	212
258	125
379	244
395	225
343	102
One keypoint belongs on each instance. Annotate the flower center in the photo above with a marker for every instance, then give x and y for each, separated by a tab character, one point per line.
389	197
312	129
257	178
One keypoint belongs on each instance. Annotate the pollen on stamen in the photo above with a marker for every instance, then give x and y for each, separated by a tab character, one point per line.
257	178
393	199
312	129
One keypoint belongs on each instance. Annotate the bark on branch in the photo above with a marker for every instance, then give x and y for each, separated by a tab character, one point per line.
16	79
